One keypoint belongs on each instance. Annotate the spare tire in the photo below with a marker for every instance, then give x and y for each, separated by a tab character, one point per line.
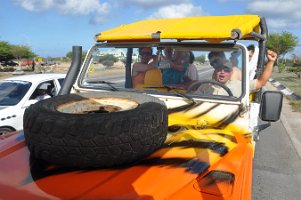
95	129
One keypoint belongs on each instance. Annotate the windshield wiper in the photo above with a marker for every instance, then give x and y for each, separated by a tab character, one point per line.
175	89
104	82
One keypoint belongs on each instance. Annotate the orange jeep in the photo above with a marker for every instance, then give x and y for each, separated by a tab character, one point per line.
179	133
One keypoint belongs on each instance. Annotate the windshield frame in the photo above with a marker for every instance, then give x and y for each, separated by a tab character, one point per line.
184	44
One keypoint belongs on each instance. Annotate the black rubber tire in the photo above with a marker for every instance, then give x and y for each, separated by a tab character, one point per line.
95	139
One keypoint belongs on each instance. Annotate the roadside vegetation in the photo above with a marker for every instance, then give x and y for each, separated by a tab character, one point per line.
288	70
23	56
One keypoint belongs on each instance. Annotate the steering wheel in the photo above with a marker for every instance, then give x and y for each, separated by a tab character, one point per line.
197	84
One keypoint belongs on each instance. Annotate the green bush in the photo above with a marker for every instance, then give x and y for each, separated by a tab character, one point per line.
296	105
107	57
281	67
295	69
201	59
7	69
108	63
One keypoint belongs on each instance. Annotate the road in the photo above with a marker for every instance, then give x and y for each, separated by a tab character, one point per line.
276	166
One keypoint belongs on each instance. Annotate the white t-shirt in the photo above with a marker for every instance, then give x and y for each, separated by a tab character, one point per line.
42	97
192	73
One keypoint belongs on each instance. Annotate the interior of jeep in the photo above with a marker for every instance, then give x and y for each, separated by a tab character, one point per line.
212	70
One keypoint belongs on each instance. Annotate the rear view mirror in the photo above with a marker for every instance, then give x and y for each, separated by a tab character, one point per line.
271	105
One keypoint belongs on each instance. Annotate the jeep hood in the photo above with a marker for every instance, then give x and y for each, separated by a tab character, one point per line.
192	164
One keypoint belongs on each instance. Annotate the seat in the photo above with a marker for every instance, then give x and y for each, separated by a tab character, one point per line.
50	90
153	77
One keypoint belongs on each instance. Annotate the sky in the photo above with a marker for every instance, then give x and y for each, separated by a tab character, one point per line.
51	27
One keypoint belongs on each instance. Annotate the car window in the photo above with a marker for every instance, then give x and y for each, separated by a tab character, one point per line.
61	81
196	71
46	88
12	92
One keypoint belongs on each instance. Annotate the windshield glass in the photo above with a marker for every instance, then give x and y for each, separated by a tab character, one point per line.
12	92
195	71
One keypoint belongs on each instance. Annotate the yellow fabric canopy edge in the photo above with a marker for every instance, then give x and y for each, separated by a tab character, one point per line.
214	28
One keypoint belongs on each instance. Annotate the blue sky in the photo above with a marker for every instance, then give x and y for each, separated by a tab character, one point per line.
52	27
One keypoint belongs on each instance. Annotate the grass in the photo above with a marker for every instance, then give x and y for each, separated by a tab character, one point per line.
288	79
296	106
291	81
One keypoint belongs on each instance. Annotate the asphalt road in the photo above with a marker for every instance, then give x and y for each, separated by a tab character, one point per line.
276	166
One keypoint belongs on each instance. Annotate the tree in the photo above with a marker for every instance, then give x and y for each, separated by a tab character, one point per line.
69	55
107	57
201	59
296	67
282	43
21	51
5	51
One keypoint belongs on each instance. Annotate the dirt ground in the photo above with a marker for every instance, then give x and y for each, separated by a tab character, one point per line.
118	67
58	68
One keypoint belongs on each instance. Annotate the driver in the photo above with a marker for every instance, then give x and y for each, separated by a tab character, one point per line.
222	75
224	72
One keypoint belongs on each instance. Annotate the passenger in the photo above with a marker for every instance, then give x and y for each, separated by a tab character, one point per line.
224	72
192	72
168	53
146	63
41	93
234	58
174	74
253	60
218	58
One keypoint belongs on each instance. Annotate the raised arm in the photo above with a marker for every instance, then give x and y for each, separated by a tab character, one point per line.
264	77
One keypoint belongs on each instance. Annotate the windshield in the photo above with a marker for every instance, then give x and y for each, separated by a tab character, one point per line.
196	71
12	92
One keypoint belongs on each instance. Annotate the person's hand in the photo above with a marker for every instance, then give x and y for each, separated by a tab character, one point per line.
271	55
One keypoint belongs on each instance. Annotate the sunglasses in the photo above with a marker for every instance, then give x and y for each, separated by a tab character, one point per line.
225	68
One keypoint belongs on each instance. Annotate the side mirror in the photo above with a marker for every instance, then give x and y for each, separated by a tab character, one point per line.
271	105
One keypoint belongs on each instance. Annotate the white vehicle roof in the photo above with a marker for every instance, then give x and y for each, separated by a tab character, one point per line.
36	77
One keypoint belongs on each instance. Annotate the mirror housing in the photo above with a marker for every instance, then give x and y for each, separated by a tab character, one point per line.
270	106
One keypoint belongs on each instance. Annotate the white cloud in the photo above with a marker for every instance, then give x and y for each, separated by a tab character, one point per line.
34	5
68	7
153	3
229	1
280	14
81	7
179	10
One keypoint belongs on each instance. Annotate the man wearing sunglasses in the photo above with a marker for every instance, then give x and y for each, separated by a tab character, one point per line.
218	58
223	73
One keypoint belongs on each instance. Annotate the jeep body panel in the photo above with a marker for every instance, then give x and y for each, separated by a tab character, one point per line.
179	169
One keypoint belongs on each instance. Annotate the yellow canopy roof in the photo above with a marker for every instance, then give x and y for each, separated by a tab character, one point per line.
212	28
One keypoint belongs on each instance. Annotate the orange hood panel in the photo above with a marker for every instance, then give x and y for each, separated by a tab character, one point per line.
184	159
